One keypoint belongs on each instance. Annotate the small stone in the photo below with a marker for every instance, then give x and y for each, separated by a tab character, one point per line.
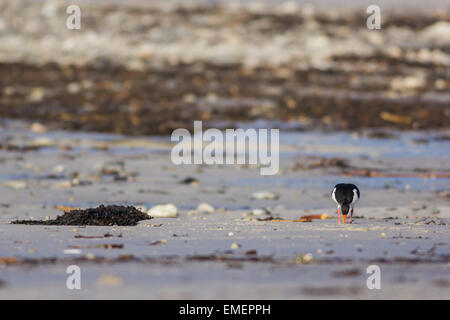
265	195
90	256
205	208
235	245
37	127
58	169
73	87
142	208
304	258
114	168
163	211
260	212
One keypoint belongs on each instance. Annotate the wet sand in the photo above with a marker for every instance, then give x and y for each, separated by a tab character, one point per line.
401	223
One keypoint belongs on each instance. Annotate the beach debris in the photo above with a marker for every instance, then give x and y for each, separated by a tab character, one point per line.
58	169
110	280
116	170
72	251
37	127
384	174
437	34
190	181
331	291
142	208
36	94
100	216
205	208
99	246
441	283
431	220
261	212
418	206
8	260
163	211
265	195
231	258
202	208
435	211
16	184
312	162
285	220
322	216
404	84
106	235
395	118
235	245
157	242
347	273
155	225
442	137
113	168
304	258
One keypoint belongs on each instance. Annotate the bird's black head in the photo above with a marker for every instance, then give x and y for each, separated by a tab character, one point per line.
345	208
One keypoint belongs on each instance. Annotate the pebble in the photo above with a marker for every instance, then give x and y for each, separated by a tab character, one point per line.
205	208
16	184
265	195
163	211
260	212
190	181
235	245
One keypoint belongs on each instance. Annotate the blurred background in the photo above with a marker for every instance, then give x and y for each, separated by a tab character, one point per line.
148	67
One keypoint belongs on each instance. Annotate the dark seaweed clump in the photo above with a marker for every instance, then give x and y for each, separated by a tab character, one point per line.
100	216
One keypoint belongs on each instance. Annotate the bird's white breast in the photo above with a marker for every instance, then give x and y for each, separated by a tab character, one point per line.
355	196
333	196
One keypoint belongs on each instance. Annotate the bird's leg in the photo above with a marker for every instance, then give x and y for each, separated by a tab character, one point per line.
351	215
339	215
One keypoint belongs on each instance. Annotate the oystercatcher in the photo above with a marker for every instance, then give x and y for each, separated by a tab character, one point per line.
345	195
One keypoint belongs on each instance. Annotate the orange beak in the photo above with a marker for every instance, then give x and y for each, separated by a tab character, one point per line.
343	217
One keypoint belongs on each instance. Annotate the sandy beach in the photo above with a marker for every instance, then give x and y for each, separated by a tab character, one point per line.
86	118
